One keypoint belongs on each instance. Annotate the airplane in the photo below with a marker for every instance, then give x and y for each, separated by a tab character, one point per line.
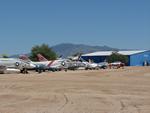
39	66
88	65
81	63
70	63
14	64
103	65
44	64
54	65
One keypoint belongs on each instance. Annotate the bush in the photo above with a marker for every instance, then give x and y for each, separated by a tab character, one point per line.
117	57
44	50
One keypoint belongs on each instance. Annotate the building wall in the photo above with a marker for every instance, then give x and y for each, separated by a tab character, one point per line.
128	61
134	60
96	59
139	59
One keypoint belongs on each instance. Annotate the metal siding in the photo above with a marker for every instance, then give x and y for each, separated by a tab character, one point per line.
96	59
138	59
134	60
128	61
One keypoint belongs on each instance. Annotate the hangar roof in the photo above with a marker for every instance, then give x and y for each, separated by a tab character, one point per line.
108	53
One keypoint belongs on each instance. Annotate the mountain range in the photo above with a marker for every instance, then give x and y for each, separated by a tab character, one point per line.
68	49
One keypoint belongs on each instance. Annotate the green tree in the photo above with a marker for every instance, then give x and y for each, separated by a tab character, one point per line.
44	50
117	57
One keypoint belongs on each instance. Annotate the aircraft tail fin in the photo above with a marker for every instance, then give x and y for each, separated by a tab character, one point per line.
41	58
24	57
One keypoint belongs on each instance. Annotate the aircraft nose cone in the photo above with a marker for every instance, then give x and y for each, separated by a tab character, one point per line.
32	65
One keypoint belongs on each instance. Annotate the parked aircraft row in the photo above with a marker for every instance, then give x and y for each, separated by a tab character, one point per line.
23	64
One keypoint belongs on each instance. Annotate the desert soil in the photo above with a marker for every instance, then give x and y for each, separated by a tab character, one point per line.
101	91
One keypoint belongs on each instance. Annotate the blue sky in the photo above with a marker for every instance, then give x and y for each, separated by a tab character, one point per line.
115	23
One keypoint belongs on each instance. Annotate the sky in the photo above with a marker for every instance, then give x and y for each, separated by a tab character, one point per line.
123	24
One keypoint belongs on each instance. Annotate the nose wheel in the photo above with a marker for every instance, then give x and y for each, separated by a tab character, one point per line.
24	71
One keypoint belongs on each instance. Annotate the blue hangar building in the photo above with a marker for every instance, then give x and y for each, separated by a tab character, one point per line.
135	58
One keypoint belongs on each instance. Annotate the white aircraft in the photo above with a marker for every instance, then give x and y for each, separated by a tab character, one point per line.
66	64
13	64
82	63
39	67
44	64
89	65
53	64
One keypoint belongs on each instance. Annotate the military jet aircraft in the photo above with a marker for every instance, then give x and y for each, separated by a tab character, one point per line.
14	64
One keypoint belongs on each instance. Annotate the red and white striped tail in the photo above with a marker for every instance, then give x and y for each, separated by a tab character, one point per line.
41	58
24	57
50	63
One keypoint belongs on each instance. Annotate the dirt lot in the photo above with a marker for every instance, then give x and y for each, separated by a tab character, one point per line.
102	91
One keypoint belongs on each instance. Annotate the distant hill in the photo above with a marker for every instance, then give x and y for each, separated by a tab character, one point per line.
68	49
17	55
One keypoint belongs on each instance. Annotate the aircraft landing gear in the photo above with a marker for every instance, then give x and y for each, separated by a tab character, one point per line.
24	71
